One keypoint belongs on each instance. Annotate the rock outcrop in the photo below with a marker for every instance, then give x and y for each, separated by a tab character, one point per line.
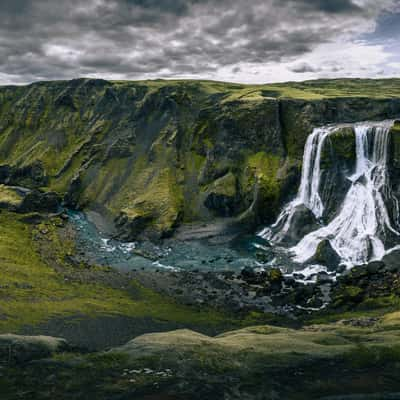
338	161
326	255
21	349
23	200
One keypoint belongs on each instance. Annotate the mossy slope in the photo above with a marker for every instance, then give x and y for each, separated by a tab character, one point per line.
258	363
40	280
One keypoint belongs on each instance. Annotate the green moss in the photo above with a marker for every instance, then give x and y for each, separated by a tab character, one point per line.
275	275
9	196
108	173
35	292
396	127
364	356
32	291
161	201
224	186
341	145
308	90
262	169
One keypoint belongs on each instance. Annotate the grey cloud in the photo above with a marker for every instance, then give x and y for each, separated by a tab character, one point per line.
333	6
303	68
41	39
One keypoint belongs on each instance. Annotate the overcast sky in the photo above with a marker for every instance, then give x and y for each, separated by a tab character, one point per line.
250	41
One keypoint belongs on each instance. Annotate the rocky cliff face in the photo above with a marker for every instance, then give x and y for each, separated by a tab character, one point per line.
153	155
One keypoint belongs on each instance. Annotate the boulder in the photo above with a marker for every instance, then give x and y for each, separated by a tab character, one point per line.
275	279
326	255
40	201
323	278
263	257
250	276
392	260
20	349
375	267
303	222
394	164
19	199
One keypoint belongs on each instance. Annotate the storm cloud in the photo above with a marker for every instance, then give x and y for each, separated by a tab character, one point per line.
135	39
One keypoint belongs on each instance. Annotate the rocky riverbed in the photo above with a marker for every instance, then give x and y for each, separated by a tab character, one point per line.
210	265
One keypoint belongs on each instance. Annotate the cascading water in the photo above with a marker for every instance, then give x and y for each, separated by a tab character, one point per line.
361	228
308	192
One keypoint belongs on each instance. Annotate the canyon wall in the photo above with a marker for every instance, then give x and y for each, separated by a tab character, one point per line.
153	155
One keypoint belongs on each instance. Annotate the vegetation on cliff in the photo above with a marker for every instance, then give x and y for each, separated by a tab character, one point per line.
148	153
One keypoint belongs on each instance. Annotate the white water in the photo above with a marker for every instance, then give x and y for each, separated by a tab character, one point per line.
362	224
308	194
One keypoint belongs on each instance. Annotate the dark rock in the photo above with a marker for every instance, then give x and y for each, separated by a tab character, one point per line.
364	322
304	293
31	176
131	227
32	218
315	302
340	269
326	255
392	260
41	201
65	100
323	277
375	267
291	282
248	273
263	257
299	276
121	148
338	160
222	196
303	222
252	277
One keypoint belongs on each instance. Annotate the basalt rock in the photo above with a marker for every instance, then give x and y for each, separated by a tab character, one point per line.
222	196
338	161
31	176
40	202
250	276
303	222
391	260
394	163
326	255
23	200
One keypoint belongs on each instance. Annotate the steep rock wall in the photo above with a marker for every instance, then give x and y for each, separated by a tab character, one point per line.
154	155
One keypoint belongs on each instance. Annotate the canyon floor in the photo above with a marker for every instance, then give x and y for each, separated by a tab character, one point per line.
241	334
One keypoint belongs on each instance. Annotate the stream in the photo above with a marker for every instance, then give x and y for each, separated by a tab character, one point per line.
171	254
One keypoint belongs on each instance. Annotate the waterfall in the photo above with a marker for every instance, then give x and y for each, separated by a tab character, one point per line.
362	224
308	194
